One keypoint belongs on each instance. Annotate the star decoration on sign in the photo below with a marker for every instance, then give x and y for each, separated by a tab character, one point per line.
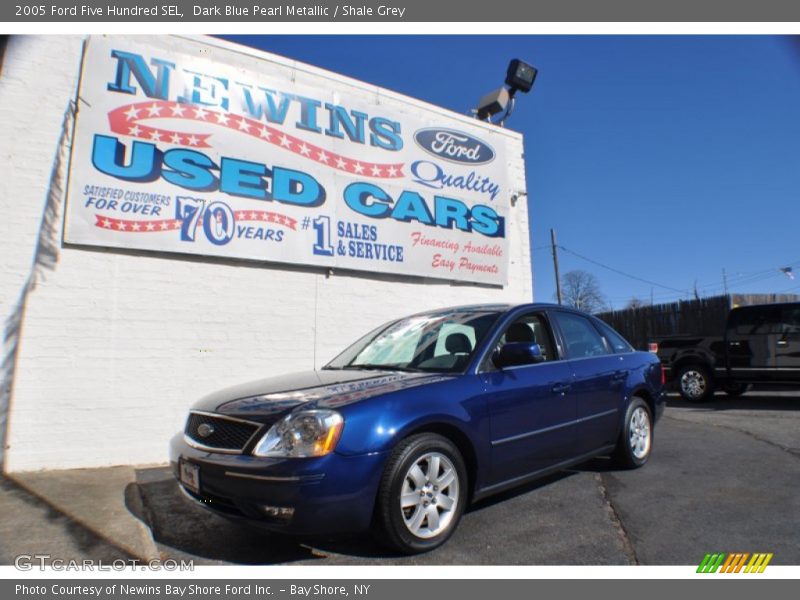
138	120
162	225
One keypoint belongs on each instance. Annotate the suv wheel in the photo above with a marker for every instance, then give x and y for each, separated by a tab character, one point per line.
695	383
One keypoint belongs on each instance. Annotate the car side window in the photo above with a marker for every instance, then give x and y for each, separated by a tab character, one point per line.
619	345
530	328
581	338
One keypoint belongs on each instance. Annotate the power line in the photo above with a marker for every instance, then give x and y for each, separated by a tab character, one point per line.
734	281
743	279
623	273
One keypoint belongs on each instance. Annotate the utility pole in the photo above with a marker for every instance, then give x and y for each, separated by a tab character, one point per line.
555	263
724	281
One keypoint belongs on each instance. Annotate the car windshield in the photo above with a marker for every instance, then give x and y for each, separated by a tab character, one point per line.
442	342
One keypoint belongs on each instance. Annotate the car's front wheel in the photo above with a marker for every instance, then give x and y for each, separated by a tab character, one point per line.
422	494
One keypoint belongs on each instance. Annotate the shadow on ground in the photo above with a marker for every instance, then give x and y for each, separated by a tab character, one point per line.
190	531
755	400
183	529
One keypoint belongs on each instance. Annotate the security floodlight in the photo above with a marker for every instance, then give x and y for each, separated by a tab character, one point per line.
520	76
493	103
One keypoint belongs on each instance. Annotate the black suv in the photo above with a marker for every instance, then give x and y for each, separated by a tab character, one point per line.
761	344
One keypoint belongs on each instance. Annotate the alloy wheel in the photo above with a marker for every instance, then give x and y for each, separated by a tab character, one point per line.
640	433
429	495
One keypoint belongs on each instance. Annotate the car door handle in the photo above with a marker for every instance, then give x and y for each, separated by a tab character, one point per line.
561	388
619	376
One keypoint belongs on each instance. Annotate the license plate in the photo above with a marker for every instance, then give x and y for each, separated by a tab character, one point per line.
190	476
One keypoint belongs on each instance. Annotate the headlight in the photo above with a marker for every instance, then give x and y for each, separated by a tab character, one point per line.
302	434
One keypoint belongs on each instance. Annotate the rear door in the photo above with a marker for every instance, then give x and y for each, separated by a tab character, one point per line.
787	345
598	383
752	340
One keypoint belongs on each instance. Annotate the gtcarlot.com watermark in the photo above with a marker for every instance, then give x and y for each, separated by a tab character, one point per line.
29	562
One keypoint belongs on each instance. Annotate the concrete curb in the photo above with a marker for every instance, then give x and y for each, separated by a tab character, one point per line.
106	501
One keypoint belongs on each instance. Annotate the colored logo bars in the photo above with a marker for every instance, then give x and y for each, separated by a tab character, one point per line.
734	563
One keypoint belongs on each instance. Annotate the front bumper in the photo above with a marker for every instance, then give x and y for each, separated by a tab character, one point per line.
329	494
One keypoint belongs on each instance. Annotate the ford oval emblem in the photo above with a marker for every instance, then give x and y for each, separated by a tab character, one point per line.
205	429
455	146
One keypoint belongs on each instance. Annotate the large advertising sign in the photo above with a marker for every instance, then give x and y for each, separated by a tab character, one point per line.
192	148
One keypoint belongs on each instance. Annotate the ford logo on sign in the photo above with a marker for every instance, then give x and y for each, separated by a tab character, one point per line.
454	146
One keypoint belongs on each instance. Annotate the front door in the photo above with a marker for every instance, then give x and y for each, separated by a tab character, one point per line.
532	410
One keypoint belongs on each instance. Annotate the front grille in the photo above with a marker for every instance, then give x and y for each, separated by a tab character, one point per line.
222	433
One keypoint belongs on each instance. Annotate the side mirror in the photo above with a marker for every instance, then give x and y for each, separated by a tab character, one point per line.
518	353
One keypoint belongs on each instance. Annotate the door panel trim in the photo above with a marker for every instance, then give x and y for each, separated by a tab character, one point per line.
527	434
514	482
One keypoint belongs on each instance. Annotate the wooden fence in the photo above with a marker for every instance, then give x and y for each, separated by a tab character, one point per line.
705	316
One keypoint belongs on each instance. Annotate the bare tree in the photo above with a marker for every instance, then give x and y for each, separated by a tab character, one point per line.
581	290
635	303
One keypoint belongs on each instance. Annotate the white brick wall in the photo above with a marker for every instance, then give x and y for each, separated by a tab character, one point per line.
114	347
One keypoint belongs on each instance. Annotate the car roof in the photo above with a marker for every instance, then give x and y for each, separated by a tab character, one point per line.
495	307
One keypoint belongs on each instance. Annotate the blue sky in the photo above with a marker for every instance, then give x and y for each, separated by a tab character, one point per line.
667	158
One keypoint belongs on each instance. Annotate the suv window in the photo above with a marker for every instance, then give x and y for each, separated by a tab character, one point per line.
790	321
757	320
581	338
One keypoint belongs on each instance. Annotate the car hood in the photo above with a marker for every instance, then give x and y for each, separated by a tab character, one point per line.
262	400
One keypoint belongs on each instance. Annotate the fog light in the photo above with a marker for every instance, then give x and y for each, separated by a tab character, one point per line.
281	513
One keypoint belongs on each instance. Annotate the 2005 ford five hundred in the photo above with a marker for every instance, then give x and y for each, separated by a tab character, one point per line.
417	419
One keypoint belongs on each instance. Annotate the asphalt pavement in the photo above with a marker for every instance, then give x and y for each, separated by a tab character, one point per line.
722	478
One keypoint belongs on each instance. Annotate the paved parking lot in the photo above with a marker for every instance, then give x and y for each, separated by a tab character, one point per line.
722	478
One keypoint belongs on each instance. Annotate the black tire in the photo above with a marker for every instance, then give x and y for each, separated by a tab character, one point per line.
632	449
735	389
395	523
695	383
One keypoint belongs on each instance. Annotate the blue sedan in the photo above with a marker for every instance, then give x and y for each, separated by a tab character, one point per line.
420	417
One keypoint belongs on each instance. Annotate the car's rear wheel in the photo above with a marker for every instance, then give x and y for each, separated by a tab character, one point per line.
636	438
695	383
422	494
